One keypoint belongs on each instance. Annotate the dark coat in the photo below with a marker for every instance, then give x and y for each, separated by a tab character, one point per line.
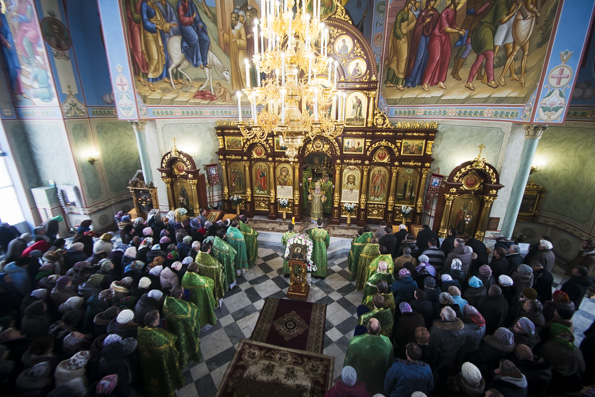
426	309
487	357
404	331
448	338
480	249
126	331
390	242
474	296
448	245
509	389
423	236
72	257
403	289
35	323
542	283
400	235
538	373
576	287
473	335
94	307
499	267
144	306
514	260
464	253
494	310
546	257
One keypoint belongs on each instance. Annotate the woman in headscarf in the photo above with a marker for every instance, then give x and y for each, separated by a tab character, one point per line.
35	323
62	291
524	332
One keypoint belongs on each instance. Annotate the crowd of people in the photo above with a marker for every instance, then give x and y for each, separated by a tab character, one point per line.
96	318
448	320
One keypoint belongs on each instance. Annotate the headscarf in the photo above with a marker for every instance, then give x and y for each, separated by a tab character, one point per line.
445	299
474	315
475	282
405	307
173	255
527	326
349	376
562	335
62	282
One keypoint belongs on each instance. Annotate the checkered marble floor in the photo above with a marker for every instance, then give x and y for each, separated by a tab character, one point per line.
241	308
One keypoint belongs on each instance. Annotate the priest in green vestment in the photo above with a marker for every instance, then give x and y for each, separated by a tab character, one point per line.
321	240
210	267
236	239
251	237
369	253
158	358
371	355
371	287
327	188
181	319
357	246
201	294
389	298
226	255
381	313
385	256
284	239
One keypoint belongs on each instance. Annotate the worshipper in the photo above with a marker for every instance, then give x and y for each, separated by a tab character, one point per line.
210	267
72	373
183	246
102	320
389	298
533	310
357	246
348	385
492	349
484	273
461	252
62	291
400	235
182	320
449	242
96	304
123	324
405	326
405	377
577	285
506	284
40	350
404	286
17	246
522	278
321	240
114	361
381	275
104	244
35	323
494	309
446	336
411	243
284	239
542	281
8	233
381	231
74	254
150	301
420	305
423	237
456	297
201	294
370	252
514	257
524	332
428	352
225	254
432	291
435	255
370	355
424	269
169	276
474	330
509	380
159	358
35	381
400	261
381	313
236	239
469	382
544	255
389	240
19	276
500	264
251	238
537	371
384	256
475	291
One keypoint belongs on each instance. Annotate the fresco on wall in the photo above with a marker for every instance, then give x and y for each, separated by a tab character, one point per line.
24	54
465	51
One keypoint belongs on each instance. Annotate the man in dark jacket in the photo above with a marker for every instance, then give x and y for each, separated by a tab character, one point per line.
514	258
446	335
400	235
463	253
577	285
536	369
424	235
542	281
403	287
389	241
449	242
420	305
480	250
404	329
499	264
494	309
405	377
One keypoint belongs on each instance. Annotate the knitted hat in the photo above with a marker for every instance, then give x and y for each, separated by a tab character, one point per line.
105	265
422	336
475	282
349	376
111	338
471	374
187	239
147	231
474	315
423	259
529	293
445	299
187	260
40	293
144	282
430	282
445	277
128	345
404	273
130	252
177	265
78	361
414	394
448	313
155	294
72	303
454	291
106	237
404	307
125	316
77	246
106	296
560	296
523	352
502	339
508	369
525	269
485	271
505	280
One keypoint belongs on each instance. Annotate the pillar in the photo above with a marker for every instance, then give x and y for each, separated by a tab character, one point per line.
532	136
361	220
143	152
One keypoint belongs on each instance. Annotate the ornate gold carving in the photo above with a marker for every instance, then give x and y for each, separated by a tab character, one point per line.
226	123
352	161
381	120
384	143
453	190
429	145
336	200
261	205
391	202
494	191
416	125
138	126
233	157
534	131
412	163
329	146
220	138
225	193
363	201
376	211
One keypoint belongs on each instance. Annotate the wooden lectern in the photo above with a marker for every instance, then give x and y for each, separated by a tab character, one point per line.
298	283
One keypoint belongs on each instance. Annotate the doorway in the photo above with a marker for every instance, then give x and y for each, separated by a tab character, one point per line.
317	167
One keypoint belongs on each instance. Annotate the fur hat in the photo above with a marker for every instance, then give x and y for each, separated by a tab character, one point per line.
508	369
422	336
485	271
471	374
448	313
529	293
523	352
349	376
505	281
125	316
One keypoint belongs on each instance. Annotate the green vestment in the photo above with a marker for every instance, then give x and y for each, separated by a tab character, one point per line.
201	294
384	317
373	267
210	267
225	254
371	286
284	239
236	239
369	253
182	320
159	361
371	356
321	240
482	39
389	302
357	246
251	238
327	188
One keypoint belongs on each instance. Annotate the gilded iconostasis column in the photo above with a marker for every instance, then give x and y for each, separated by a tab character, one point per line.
391	196
336	216
224	180
363	197
296	192
446	215
248	185
482	225
273	186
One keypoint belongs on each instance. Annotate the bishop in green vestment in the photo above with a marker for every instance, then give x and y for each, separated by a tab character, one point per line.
158	358
226	255
182	320
236	239
284	239
210	267
321	240
371	355
369	253
201	294
251	237
357	246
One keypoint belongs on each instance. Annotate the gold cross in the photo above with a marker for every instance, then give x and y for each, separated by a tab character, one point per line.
481	147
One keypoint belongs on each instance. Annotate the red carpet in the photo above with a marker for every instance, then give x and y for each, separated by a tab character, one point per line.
292	324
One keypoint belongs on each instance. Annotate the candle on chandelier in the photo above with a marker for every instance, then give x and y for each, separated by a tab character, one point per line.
290	31
293	220
257	75
239	94
285	6
336	66
255	29
309	70
282	68
335	106
283	106
329	65
316	104
262	42
304	5
321	38
254	107
247	63
344	105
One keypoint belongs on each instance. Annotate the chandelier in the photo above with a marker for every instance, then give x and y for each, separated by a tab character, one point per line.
298	96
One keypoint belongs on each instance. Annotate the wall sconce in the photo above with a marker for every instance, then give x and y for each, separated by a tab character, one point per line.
93	157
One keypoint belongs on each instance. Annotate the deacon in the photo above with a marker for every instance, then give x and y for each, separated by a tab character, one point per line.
284	239
236	239
182	320
357	246
321	240
251	238
372	284
210	267
226	255
370	252
385	256
201	294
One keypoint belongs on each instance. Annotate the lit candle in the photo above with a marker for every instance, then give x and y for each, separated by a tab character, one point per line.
247	63
257	75
262	42
293	220
254	107
309	70
335	106
284	6
321	38
255	36
318	10
326	37
329	65
282	68
283	106
336	65
344	104
304	5
239	94
290	31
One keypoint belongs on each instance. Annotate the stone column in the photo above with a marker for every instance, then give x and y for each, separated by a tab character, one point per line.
143	153
532	135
